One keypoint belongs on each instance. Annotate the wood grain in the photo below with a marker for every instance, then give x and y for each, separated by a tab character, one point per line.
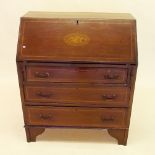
74	116
78	96
77	74
108	41
77	70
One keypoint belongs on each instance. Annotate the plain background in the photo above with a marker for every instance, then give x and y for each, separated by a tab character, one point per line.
67	141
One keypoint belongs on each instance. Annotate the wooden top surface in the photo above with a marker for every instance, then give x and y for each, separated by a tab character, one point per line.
88	15
44	37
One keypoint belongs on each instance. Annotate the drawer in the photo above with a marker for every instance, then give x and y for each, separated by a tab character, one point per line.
76	95
77	74
74	116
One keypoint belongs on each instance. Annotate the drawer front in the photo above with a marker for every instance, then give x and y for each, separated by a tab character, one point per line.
73	116
76	74
77	95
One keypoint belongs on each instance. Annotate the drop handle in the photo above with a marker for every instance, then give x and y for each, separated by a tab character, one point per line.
45	117
42	74
111	76
107	119
44	95
109	97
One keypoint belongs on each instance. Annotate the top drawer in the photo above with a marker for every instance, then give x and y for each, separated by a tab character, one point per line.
77	74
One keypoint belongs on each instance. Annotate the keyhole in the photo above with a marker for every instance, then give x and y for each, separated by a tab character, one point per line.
77	22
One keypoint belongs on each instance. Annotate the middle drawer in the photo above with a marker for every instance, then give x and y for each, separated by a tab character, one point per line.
75	95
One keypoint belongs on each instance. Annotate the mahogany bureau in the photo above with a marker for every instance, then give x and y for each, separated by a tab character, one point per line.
77	70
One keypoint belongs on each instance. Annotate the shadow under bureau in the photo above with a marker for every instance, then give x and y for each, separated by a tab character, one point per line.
77	70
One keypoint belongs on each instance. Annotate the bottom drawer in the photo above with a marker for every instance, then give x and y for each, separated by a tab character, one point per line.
76	116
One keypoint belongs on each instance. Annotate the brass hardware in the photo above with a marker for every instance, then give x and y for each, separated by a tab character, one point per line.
42	74
45	117
107	119
111	76
109	97
45	95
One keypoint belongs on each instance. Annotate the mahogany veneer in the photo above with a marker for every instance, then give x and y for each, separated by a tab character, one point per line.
77	70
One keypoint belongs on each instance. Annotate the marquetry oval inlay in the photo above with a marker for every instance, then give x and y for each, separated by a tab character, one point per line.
76	39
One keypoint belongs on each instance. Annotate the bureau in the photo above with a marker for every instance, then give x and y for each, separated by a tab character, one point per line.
77	70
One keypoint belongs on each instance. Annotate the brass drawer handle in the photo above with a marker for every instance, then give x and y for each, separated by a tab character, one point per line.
45	117
45	95
107	119
111	76
109	97
42	74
